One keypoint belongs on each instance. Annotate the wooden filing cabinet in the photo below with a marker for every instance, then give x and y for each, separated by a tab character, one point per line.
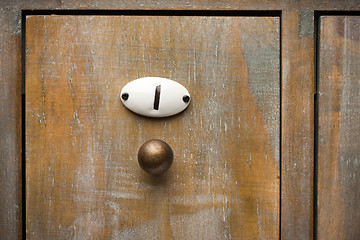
267	148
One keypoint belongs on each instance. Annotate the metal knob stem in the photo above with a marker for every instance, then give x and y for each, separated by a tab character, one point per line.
155	156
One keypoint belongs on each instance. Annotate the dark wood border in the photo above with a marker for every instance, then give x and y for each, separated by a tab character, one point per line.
298	88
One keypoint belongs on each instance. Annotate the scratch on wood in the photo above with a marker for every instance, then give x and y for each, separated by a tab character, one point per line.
43	115
76	120
258	217
249	161
45	48
46	33
75	114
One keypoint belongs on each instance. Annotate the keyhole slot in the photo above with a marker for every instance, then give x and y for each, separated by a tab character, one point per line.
157	97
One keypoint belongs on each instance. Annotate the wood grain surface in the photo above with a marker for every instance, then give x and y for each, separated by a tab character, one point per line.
10	140
339	128
297	125
298	151
82	176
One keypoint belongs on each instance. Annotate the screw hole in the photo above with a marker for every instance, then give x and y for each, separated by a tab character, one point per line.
125	96
186	98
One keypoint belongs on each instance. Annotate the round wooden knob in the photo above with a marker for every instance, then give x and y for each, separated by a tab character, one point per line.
155	156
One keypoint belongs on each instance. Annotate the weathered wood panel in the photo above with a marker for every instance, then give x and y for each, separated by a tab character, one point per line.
297	125
339	128
10	140
82	177
189	5
10	26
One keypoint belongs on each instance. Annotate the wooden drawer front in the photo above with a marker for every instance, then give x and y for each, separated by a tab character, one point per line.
82	176
339	128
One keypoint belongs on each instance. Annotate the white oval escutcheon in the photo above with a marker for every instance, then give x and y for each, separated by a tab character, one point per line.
155	97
